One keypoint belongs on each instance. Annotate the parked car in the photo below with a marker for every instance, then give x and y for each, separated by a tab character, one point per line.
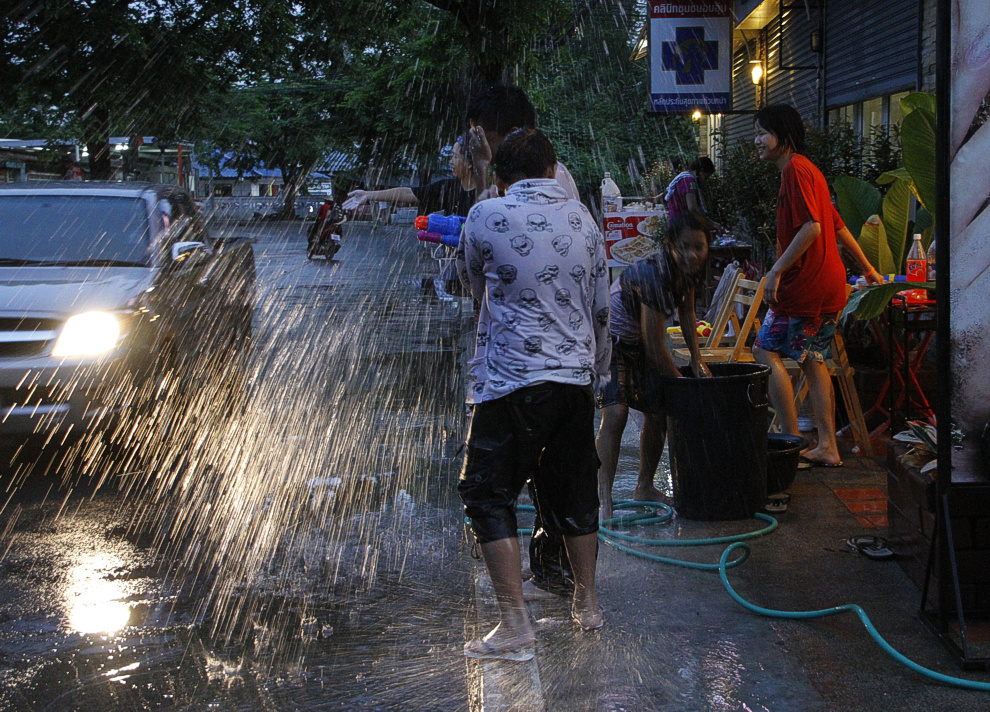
108	291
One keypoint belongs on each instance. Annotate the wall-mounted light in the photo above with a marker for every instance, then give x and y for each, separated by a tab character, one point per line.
816	41
696	116
756	71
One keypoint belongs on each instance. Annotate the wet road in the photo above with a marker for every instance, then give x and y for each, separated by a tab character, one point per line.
303	553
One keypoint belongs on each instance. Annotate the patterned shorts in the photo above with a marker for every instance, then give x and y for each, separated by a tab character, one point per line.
798	337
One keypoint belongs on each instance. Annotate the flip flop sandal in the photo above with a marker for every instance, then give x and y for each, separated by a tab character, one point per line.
806	463
483	650
872	547
577	620
777	503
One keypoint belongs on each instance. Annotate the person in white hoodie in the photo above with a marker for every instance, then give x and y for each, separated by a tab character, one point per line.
493	113
535	261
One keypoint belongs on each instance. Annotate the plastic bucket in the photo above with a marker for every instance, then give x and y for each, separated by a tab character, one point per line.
717	434
783	455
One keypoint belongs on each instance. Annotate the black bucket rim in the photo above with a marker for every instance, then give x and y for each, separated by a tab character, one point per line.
795	442
758	370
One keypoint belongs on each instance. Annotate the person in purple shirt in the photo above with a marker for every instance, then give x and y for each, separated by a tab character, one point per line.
684	193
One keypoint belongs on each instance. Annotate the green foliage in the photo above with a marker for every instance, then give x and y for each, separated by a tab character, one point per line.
592	102
875	244
115	67
918	139
743	195
869	303
835	150
857	198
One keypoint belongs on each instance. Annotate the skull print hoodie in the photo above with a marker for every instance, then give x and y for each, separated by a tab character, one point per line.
535	260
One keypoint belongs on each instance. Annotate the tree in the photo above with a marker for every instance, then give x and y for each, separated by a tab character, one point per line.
87	70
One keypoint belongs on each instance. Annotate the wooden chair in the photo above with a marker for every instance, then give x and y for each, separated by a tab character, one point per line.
721	321
838	366
722	348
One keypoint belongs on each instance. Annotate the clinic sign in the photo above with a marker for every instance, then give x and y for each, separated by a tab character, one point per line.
691	56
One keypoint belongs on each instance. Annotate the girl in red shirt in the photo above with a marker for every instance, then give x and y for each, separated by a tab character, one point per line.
806	287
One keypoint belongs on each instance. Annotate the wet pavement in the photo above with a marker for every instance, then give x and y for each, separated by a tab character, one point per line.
308	553
305	553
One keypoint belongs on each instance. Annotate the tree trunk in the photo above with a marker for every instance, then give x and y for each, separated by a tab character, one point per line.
291	177
98	144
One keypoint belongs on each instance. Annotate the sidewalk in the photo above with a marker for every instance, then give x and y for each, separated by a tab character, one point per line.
675	640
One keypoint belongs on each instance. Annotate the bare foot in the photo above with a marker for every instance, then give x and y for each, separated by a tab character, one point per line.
502	644
588	618
532	592
647	494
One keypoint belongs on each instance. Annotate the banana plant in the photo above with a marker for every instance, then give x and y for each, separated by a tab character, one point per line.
883	224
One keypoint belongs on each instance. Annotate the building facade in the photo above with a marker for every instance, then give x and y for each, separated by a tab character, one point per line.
834	60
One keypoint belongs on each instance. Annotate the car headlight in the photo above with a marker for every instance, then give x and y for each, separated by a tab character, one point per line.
88	334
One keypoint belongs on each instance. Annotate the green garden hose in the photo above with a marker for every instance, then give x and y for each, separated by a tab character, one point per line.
724	564
658	513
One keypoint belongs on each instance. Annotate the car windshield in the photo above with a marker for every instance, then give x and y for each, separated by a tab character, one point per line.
83	230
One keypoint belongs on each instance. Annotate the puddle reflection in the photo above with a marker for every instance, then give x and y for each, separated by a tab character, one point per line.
94	604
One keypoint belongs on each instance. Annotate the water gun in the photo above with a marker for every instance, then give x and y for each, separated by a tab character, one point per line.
447	240
440	224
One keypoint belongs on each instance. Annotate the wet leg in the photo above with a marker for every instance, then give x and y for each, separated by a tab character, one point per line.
651	442
822	397
514	630
583	553
614	418
780	390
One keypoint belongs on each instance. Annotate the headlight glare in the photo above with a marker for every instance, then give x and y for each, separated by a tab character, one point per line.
88	334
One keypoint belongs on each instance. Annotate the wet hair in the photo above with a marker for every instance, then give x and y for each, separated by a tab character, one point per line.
784	122
524	153
681	222
703	164
502	108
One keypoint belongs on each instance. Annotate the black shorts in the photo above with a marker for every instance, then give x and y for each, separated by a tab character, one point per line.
547	432
635	382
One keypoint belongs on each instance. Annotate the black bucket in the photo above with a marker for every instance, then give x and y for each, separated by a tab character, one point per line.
783	455
717	433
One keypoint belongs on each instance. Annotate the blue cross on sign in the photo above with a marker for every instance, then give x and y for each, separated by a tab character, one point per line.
690	55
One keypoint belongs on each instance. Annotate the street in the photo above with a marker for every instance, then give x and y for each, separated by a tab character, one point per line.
305	554
307	550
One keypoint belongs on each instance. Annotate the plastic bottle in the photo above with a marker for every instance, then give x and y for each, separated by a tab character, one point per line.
917	268
611	197
931	261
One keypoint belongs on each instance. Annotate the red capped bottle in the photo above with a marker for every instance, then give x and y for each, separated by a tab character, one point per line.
917	268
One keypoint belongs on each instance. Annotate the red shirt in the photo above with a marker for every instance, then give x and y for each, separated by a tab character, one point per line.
816	283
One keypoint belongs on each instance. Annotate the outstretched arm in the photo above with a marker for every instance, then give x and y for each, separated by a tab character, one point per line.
357	198
654	328
847	241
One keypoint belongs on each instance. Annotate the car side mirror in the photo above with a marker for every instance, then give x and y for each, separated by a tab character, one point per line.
181	251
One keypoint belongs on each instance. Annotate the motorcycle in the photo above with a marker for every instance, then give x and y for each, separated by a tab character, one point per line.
324	236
